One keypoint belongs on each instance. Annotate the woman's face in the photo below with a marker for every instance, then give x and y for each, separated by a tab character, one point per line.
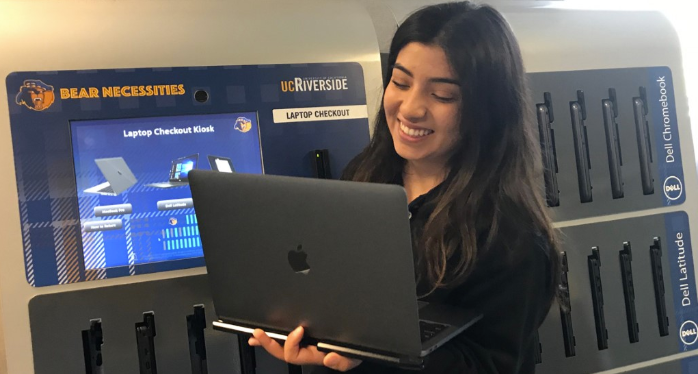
422	104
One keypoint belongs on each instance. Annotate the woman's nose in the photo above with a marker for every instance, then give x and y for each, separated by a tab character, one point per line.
413	108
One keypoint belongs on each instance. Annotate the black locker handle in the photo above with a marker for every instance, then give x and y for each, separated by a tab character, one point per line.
594	264
626	272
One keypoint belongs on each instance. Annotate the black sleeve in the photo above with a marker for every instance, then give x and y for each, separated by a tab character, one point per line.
513	296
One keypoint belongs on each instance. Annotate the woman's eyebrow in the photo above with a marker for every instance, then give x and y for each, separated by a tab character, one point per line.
434	80
403	69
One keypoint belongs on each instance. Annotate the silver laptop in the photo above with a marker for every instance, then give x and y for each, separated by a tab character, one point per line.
119	177
335	257
179	171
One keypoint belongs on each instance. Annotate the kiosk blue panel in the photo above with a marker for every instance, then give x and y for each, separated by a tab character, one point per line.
97	153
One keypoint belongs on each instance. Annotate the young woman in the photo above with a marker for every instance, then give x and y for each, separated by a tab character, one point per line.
455	131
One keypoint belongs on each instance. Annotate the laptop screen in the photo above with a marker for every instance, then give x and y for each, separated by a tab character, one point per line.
181	167
131	212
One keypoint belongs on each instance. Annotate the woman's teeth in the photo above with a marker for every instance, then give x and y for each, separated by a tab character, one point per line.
413	132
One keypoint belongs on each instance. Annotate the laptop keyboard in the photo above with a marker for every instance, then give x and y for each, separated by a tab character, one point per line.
430	329
107	189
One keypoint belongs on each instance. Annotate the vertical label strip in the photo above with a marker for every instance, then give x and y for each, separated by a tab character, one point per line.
660	93
683	281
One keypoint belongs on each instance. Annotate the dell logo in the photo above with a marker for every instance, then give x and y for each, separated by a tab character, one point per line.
673	188
297	260
688	332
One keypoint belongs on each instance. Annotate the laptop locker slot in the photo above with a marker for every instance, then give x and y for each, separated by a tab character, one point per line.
537	348
321	163
544	113
566	311
145	343
609	107
578	113
248	360
196	323
92	340
644	145
594	264
659	290
626	273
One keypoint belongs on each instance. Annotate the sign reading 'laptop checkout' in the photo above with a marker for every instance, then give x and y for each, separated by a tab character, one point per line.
330	113
132	181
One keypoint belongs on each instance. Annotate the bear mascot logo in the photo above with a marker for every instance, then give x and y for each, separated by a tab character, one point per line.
35	95
243	124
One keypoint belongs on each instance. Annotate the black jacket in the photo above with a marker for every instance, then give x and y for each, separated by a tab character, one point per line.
509	287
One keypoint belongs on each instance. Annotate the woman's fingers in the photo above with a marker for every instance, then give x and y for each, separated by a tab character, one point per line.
274	348
298	355
290	351
292	346
340	363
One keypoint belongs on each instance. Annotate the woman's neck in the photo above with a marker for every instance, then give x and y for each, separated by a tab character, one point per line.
419	178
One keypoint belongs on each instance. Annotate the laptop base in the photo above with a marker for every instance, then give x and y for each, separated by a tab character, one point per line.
412	363
453	319
102	189
167	184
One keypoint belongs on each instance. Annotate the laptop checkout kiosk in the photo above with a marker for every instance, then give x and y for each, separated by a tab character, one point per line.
113	281
356	237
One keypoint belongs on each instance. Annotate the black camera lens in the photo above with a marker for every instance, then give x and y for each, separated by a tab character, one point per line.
201	96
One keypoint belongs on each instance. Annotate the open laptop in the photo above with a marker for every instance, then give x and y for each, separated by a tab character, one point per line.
179	172
335	257
221	164
119	177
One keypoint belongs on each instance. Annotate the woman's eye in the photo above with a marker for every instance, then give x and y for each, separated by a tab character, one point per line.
445	99
399	85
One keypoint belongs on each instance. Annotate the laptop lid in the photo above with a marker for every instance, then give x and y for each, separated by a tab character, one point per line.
332	256
117	173
182	166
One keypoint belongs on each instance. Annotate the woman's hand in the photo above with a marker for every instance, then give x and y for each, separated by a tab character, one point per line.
293	353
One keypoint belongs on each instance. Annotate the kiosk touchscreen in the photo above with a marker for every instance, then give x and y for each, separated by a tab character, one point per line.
143	219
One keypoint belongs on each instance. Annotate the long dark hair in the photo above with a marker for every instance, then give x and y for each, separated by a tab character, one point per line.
493	188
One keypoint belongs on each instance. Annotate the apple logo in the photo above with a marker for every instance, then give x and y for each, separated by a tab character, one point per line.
297	260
